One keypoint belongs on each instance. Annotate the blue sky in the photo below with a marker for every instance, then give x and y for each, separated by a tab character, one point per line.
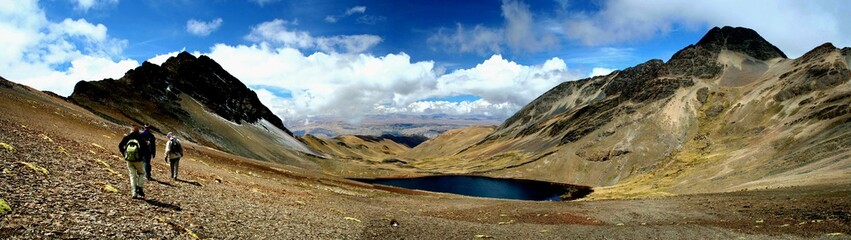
347	58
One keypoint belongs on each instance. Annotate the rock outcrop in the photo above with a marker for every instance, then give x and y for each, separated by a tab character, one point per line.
700	60
200	101
201	78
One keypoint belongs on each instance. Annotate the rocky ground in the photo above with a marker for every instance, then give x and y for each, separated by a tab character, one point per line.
58	187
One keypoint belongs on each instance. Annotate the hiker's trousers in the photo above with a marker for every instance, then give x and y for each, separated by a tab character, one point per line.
137	175
147	164
174	163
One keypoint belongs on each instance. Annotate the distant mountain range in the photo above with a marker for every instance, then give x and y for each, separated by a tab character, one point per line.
428	126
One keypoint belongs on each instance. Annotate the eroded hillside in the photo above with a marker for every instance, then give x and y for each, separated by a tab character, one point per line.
728	113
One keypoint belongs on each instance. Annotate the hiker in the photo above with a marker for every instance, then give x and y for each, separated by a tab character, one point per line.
173	153
149	138
133	148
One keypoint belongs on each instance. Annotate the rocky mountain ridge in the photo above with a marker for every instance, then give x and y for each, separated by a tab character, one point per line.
201	78
727	113
198	100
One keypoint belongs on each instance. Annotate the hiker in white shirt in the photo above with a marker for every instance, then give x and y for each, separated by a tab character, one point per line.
173	153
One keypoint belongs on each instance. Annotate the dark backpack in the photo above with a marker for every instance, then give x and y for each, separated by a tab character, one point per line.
132	151
176	148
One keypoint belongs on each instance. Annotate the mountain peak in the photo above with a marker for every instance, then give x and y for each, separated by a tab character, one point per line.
185	55
701	59
198	77
739	39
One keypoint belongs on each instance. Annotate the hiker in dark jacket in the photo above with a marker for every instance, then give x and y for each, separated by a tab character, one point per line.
134	160
151	150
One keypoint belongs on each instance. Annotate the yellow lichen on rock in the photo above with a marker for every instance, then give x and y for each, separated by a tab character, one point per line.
45	137
4	207
36	168
110	188
108	168
63	151
178	226
103	163
7	146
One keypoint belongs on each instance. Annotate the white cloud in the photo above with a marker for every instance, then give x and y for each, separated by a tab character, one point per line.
497	80
85	5
356	9
349	12
331	19
275	33
352	85
521	33
794	26
477	107
53	56
599	71
201	28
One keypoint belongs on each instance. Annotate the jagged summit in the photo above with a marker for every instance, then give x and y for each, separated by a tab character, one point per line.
206	81
701	59
739	39
199	100
199	77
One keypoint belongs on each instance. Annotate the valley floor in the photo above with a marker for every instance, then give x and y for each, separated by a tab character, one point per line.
226	197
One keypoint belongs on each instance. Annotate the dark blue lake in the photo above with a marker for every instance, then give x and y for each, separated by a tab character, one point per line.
489	187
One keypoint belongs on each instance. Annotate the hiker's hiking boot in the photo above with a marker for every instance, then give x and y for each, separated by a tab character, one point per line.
141	193
135	193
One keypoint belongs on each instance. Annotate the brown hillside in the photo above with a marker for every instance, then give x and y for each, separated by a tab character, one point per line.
59	172
726	114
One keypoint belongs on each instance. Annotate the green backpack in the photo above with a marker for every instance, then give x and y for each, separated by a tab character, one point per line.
132	152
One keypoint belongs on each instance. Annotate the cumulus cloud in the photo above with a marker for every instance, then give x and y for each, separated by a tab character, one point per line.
498	80
53	56
349	12
477	107
275	33
201	28
85	5
352	85
794	26
521	33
